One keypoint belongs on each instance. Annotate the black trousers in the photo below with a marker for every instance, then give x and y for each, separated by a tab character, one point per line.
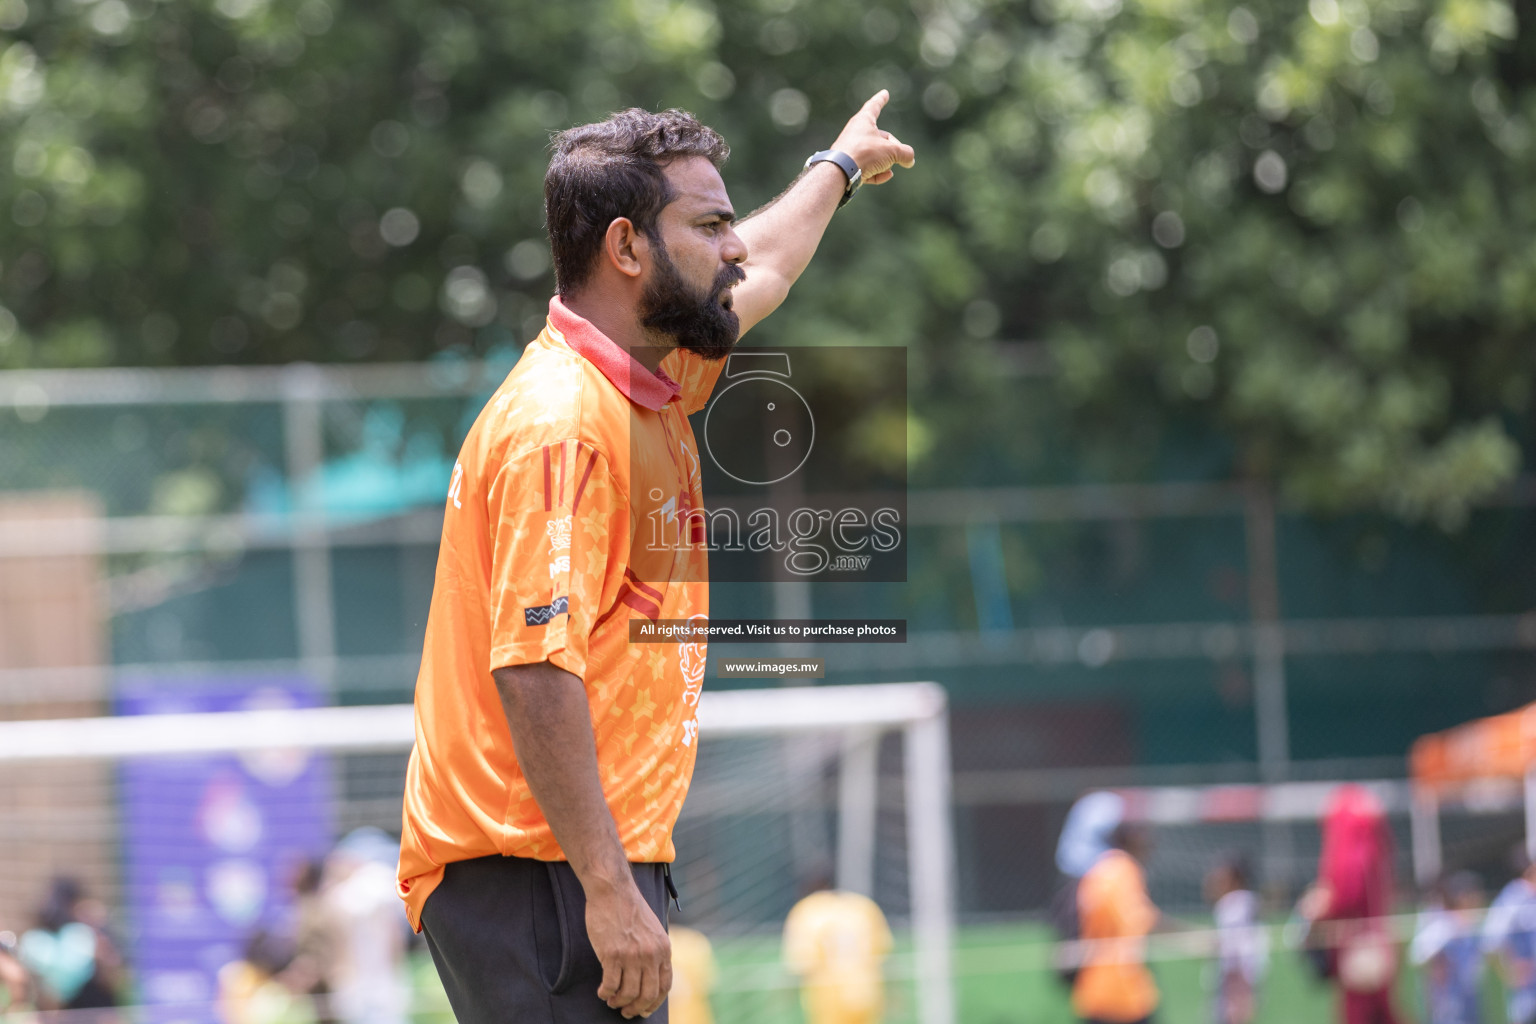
509	938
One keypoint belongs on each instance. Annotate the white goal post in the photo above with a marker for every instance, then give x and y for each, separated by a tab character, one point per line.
859	716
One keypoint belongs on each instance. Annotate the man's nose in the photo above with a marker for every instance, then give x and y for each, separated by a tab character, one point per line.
734	250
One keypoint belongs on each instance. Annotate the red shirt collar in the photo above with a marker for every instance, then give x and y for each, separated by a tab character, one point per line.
641	386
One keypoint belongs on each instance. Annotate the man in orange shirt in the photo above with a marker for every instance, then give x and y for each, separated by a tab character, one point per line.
552	755
1115	915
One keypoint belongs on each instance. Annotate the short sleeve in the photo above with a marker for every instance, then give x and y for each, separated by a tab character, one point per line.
695	375
1499	922
1434	933
557	522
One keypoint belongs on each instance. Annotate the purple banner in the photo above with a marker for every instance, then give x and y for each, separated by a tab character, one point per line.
211	844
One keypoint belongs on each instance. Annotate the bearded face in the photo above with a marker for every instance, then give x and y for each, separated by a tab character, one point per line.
701	322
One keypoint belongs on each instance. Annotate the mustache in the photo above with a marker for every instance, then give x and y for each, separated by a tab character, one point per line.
728	277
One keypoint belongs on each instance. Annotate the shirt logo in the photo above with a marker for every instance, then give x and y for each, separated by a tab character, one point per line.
559	565
541	615
559	531
691	660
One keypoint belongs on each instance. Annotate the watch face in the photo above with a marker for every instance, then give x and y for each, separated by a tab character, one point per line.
759	430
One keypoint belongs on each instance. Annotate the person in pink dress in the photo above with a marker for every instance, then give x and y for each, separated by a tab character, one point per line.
1350	902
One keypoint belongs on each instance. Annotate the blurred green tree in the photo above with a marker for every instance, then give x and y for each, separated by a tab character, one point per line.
1309	227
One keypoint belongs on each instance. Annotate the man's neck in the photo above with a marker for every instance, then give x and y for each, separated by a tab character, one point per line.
618	323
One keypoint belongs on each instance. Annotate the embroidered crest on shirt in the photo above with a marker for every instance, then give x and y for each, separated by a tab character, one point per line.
690	658
559	531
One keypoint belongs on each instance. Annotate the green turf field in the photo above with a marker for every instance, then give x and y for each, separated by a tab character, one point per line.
1001	977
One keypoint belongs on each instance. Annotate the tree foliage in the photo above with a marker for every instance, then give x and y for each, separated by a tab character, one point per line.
1306	227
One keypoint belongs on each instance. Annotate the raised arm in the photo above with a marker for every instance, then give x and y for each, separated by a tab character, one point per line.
782	236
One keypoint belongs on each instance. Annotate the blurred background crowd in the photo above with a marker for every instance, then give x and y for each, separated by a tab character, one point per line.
334	953
336	949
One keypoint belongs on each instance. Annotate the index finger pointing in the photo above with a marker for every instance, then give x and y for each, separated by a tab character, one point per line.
876	103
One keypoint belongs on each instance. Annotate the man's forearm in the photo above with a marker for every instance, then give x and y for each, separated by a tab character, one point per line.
551	725
782	237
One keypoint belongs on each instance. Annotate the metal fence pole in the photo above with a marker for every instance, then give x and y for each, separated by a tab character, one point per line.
313	599
1530	814
1424	825
1271	716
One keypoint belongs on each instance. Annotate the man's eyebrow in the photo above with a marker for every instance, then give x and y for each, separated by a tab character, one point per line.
725	215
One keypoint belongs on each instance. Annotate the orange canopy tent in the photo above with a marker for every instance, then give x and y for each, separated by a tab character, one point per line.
1503	746
1486	749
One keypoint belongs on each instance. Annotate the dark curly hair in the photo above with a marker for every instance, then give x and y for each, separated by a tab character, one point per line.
610	169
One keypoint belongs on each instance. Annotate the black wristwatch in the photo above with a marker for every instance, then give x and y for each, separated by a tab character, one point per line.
847	164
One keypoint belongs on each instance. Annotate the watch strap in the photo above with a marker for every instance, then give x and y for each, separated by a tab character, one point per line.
847	164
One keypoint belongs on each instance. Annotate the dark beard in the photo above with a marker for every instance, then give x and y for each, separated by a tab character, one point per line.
698	323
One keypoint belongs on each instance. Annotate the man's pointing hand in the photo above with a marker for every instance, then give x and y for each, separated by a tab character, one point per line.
874	149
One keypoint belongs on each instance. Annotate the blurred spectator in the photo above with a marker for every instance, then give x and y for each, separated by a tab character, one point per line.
1085	837
69	951
367	963
1509	934
16	989
1115	915
253	990
1349	903
314	940
1242	946
836	943
1447	949
693	975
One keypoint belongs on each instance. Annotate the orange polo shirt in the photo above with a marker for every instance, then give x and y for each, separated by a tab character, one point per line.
543	559
1114	916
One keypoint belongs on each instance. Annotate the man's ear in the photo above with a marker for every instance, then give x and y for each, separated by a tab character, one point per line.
625	247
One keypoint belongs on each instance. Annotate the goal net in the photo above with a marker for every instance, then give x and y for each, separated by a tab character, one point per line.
194	826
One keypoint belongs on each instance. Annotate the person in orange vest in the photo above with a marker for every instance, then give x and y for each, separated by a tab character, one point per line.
1115	915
